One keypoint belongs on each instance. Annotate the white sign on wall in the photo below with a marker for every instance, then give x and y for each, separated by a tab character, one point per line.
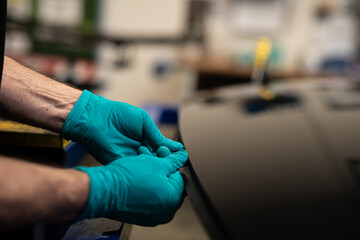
143	18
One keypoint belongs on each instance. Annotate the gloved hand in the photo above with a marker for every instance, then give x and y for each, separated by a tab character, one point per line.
144	190
110	130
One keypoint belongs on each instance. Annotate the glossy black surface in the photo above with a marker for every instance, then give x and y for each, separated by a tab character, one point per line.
285	172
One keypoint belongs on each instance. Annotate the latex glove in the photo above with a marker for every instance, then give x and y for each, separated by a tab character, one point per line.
144	190
110	130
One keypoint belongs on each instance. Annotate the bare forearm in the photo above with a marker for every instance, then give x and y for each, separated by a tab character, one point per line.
30	97
31	192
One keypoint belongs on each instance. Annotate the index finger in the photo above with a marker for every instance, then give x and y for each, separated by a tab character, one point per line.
155	138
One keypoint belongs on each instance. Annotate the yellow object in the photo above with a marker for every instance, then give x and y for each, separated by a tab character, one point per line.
262	53
18	134
261	59
266	94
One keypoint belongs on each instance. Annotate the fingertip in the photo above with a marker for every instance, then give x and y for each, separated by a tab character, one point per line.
177	145
178	158
144	150
173	145
182	153
163	152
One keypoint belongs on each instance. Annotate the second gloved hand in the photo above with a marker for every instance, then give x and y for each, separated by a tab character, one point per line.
144	190
110	130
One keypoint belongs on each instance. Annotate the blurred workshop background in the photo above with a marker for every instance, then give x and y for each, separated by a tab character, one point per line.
153	53
142	51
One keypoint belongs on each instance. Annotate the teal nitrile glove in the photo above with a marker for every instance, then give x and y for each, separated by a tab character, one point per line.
110	130
144	190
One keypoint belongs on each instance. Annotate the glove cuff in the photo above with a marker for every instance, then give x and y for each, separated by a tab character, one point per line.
74	115
93	207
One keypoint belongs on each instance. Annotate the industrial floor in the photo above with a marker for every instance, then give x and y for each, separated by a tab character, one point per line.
185	226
